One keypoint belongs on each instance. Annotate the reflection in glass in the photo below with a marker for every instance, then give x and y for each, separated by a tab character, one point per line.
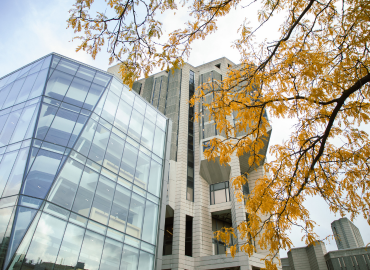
119	212
128	162
102	201
6	225
65	187
62	127
6	167
123	116
9	127
158	145
111	255
26	88
85	192
84	142
12	96
15	179
148	134
110	107
23	123
67	66
93	96
146	261
23	219
77	92
130	258
99	144
5	214
135	216
86	73
58	84
155	178
142	170
114	152
77	129
38	86
91	250
45	244
45	119
150	223
70	248
22	250
42	173
136	125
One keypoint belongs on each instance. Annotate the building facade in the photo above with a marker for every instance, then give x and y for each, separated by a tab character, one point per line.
82	163
200	198
346	234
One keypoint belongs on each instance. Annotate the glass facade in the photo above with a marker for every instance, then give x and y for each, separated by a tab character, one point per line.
81	162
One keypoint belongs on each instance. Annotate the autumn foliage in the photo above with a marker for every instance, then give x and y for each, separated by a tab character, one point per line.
316	73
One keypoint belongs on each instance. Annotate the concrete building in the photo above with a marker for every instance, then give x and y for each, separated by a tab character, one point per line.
82	168
346	234
200	198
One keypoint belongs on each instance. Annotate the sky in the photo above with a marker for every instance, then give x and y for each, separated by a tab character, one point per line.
32	29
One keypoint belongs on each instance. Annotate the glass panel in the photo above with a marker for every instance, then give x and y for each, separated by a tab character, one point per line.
36	67
91	251
161	122
101	79
142	170
70	248
62	127
77	219
22	126
42	173
46	117
158	145
110	107
128	96
5	231
111	255
67	66
38	86
23	219
139	105
5	215
46	62
155	178
99	144
114	152
77	92
77	129
115	235
13	147
220	196
15	178
30	202
85	73
136	125
25	71
123	116
151	114
116	87
58	84
135	217
56	211
148	134
13	93
150	223
128	162
31	126
9	127
130	258
22	250
84	142
85	192
96	227
45	244
4	94
119	212
100	105
55	61
5	168
93	96
9	201
3	120
65	187
102	201
146	261
26	88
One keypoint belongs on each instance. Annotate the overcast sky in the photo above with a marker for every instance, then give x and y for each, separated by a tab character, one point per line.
32	29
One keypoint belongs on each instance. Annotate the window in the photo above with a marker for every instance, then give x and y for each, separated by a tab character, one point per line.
189	236
220	192
220	222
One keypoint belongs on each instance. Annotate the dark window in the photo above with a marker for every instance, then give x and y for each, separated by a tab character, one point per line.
189	236
168	236
220	222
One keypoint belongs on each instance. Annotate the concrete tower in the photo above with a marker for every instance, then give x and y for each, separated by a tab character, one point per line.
347	235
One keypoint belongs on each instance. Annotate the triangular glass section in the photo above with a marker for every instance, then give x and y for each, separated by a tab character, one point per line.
23	219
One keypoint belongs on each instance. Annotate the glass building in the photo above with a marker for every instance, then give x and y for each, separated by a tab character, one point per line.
82	164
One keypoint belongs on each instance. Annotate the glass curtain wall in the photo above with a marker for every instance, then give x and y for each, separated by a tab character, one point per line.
81	159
